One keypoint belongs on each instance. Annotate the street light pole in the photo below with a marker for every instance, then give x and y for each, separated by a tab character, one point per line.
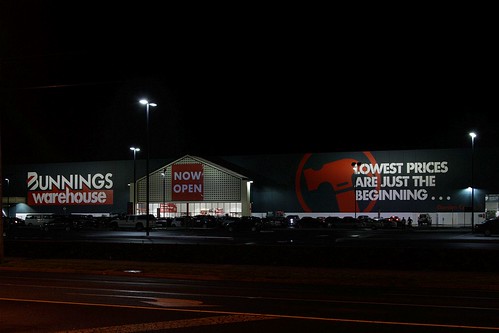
473	136
164	190
2	251
135	150
355	167
7	180
147	104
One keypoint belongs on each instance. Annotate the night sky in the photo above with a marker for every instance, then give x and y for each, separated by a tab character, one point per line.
236	80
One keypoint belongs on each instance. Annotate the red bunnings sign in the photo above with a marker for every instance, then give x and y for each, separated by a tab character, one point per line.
75	189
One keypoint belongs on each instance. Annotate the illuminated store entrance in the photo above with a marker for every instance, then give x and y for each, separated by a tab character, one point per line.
193	186
171	209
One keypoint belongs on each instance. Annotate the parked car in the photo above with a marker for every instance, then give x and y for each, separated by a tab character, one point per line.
136	222
278	221
181	222
488	227
349	222
391	222
424	219
204	221
369	222
38	219
12	222
291	220
380	222
164	222
86	221
310	222
65	223
352	222
332	221
377	222
245	223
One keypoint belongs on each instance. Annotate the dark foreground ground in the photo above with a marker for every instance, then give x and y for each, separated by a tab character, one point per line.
256	273
362	265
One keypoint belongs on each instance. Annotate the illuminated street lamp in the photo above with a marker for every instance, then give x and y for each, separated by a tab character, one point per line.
473	136
164	190
147	104
135	150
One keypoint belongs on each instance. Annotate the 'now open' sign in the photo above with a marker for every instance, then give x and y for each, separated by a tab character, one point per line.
187	182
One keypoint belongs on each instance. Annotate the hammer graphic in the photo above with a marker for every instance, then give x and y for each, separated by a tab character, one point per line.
339	175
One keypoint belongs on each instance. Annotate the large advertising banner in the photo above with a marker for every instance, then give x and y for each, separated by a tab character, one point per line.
187	182
68	190
385	181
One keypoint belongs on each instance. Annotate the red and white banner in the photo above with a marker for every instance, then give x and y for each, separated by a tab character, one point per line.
187	182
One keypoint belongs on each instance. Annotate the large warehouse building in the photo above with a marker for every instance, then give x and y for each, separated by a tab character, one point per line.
375	183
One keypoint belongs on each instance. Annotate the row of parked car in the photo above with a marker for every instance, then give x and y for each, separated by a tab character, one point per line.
49	222
230	223
253	223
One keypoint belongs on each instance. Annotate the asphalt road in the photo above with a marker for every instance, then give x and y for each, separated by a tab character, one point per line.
438	280
96	296
435	249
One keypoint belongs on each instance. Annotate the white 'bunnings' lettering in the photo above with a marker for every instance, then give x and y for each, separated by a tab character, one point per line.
76	182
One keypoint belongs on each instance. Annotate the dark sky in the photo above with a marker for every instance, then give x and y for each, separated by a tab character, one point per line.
233	80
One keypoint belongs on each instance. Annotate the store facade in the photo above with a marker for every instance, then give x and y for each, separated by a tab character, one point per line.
376	183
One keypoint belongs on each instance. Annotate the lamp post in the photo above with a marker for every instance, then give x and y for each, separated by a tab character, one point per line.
135	150
164	190
147	104
7	181
473	136
355	167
